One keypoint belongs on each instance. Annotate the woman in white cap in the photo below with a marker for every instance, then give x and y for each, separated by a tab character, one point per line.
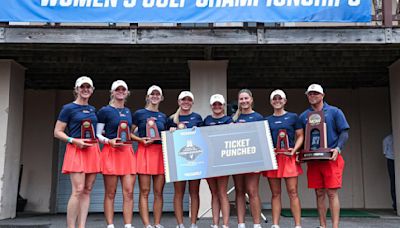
117	159
247	182
149	157
288	124
82	156
218	185
185	118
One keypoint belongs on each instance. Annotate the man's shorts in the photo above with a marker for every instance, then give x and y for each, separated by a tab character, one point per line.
325	174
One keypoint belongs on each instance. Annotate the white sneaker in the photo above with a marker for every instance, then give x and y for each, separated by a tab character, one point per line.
149	226
110	226
223	226
257	226
275	226
158	226
241	225
193	226
297	227
180	226
214	226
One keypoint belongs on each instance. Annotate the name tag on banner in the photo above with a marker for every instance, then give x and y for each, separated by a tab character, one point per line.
221	150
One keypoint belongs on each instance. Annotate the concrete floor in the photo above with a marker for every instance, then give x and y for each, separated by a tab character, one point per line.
96	220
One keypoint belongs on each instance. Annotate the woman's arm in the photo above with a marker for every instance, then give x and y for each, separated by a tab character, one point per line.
60	134
299	141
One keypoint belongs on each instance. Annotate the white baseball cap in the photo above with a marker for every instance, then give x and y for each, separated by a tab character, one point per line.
277	92
315	88
217	98
152	88
117	84
82	80
184	94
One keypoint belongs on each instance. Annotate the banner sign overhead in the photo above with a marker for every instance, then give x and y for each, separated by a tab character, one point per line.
185	11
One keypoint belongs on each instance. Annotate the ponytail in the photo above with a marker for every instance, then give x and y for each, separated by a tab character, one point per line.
175	116
237	114
112	97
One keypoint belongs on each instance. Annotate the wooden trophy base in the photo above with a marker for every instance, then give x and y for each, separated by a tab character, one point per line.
320	154
125	142
281	152
91	141
155	138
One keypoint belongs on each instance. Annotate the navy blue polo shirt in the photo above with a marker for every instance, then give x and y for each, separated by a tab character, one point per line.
289	121
211	121
191	120
251	117
140	117
72	114
335	123
111	116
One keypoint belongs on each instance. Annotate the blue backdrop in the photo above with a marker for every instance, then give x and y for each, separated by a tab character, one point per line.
185	11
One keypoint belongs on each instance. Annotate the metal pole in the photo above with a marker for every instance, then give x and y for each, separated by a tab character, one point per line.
387	13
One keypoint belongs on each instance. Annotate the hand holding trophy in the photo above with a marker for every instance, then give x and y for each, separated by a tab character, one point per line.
282	143
123	133
87	131
152	130
315	145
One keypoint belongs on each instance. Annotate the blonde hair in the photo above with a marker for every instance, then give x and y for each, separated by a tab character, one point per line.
75	93
175	116
112	97
239	110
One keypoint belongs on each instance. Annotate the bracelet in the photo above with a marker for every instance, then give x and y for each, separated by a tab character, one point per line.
69	140
338	149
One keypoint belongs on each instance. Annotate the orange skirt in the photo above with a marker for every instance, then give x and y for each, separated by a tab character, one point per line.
77	160
287	167
149	159
118	160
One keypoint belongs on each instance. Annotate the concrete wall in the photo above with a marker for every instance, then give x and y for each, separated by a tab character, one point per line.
375	125
12	76
37	149
365	178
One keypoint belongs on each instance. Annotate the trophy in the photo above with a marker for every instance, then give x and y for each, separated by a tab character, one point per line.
124	132
152	130
282	142
315	143
181	125
87	131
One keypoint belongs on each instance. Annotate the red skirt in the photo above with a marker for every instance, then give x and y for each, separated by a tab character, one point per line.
118	160
287	167
149	159
77	160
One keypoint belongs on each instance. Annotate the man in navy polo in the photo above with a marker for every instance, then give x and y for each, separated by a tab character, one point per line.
326	176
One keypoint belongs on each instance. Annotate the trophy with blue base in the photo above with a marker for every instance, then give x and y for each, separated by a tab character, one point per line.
87	131
124	133
152	130
282	143
315	143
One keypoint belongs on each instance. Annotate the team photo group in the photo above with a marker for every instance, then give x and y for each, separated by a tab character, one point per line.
99	141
